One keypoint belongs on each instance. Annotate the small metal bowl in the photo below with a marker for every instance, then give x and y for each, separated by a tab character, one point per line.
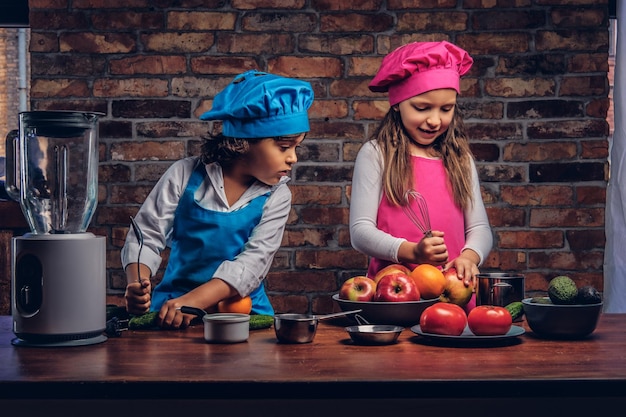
374	334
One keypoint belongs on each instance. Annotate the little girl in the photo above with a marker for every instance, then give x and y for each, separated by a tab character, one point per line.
223	214
420	145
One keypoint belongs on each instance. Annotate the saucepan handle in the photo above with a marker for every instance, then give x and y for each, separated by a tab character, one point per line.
193	310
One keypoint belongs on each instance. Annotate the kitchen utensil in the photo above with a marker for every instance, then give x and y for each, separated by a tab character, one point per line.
222	327
561	321
401	313
58	271
139	236
499	289
301	328
373	334
416	209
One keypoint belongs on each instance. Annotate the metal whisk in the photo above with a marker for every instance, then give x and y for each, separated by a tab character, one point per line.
139	236
420	219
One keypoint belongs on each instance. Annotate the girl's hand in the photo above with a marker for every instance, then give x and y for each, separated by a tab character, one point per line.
137	297
432	250
466	269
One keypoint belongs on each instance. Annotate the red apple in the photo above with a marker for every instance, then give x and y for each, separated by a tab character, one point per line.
358	289
390	269
455	291
396	287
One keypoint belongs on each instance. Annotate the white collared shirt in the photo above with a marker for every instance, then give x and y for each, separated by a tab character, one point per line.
156	218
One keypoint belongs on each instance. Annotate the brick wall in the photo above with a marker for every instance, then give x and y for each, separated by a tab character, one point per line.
9	93
536	104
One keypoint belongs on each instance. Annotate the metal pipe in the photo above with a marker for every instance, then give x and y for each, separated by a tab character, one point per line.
22	66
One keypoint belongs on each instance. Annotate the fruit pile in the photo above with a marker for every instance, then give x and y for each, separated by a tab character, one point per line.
563	290
396	283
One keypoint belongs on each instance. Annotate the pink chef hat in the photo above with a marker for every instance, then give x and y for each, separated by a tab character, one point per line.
419	67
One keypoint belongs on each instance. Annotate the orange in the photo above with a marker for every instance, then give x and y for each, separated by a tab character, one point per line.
235	304
429	280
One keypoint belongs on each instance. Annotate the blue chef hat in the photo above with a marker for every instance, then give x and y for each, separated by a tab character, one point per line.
261	105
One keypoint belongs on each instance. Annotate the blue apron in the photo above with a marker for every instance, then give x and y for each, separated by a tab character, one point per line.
202	239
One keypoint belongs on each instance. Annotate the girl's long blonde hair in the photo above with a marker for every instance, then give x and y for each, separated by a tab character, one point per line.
452	147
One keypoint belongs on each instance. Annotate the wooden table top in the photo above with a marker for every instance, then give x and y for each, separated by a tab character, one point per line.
148	363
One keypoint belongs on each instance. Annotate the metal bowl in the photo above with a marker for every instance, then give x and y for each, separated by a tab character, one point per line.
402	313
295	328
374	334
572	321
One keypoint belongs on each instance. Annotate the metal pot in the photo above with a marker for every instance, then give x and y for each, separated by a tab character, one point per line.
499	289
222	327
300	328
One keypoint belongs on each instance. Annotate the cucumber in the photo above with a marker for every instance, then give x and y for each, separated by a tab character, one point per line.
143	322
260	321
516	309
541	300
147	321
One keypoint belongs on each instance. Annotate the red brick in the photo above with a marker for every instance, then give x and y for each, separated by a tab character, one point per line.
97	43
355	22
267	4
177	42
151	151
304	67
279	21
432	21
130	87
59	88
164	64
588	217
193	21
327	259
530	239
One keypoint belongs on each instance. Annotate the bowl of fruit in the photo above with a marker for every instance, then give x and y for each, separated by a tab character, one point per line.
567	312
398	295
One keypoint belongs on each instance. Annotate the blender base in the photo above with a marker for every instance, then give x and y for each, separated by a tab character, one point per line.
64	343
59	289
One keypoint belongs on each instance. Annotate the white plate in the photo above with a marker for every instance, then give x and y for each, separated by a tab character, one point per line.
468	337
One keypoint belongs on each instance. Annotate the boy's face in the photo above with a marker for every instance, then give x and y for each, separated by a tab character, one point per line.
428	115
271	159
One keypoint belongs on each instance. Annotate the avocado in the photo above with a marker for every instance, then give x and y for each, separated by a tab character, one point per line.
562	290
588	295
541	300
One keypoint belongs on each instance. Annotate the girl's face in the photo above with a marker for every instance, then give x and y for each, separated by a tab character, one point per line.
427	116
271	159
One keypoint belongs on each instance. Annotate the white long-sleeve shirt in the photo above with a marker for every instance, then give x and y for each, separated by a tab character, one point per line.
366	195
156	218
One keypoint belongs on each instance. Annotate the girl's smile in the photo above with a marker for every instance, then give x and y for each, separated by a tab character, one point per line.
426	116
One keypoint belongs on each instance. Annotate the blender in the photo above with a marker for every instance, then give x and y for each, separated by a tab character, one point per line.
58	271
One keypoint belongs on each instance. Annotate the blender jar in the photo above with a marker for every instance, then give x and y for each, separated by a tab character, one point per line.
55	157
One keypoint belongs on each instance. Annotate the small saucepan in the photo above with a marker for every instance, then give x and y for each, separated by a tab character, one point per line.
222	327
301	328
373	334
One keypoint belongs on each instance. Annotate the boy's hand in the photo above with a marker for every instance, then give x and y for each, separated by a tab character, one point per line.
170	316
137	297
